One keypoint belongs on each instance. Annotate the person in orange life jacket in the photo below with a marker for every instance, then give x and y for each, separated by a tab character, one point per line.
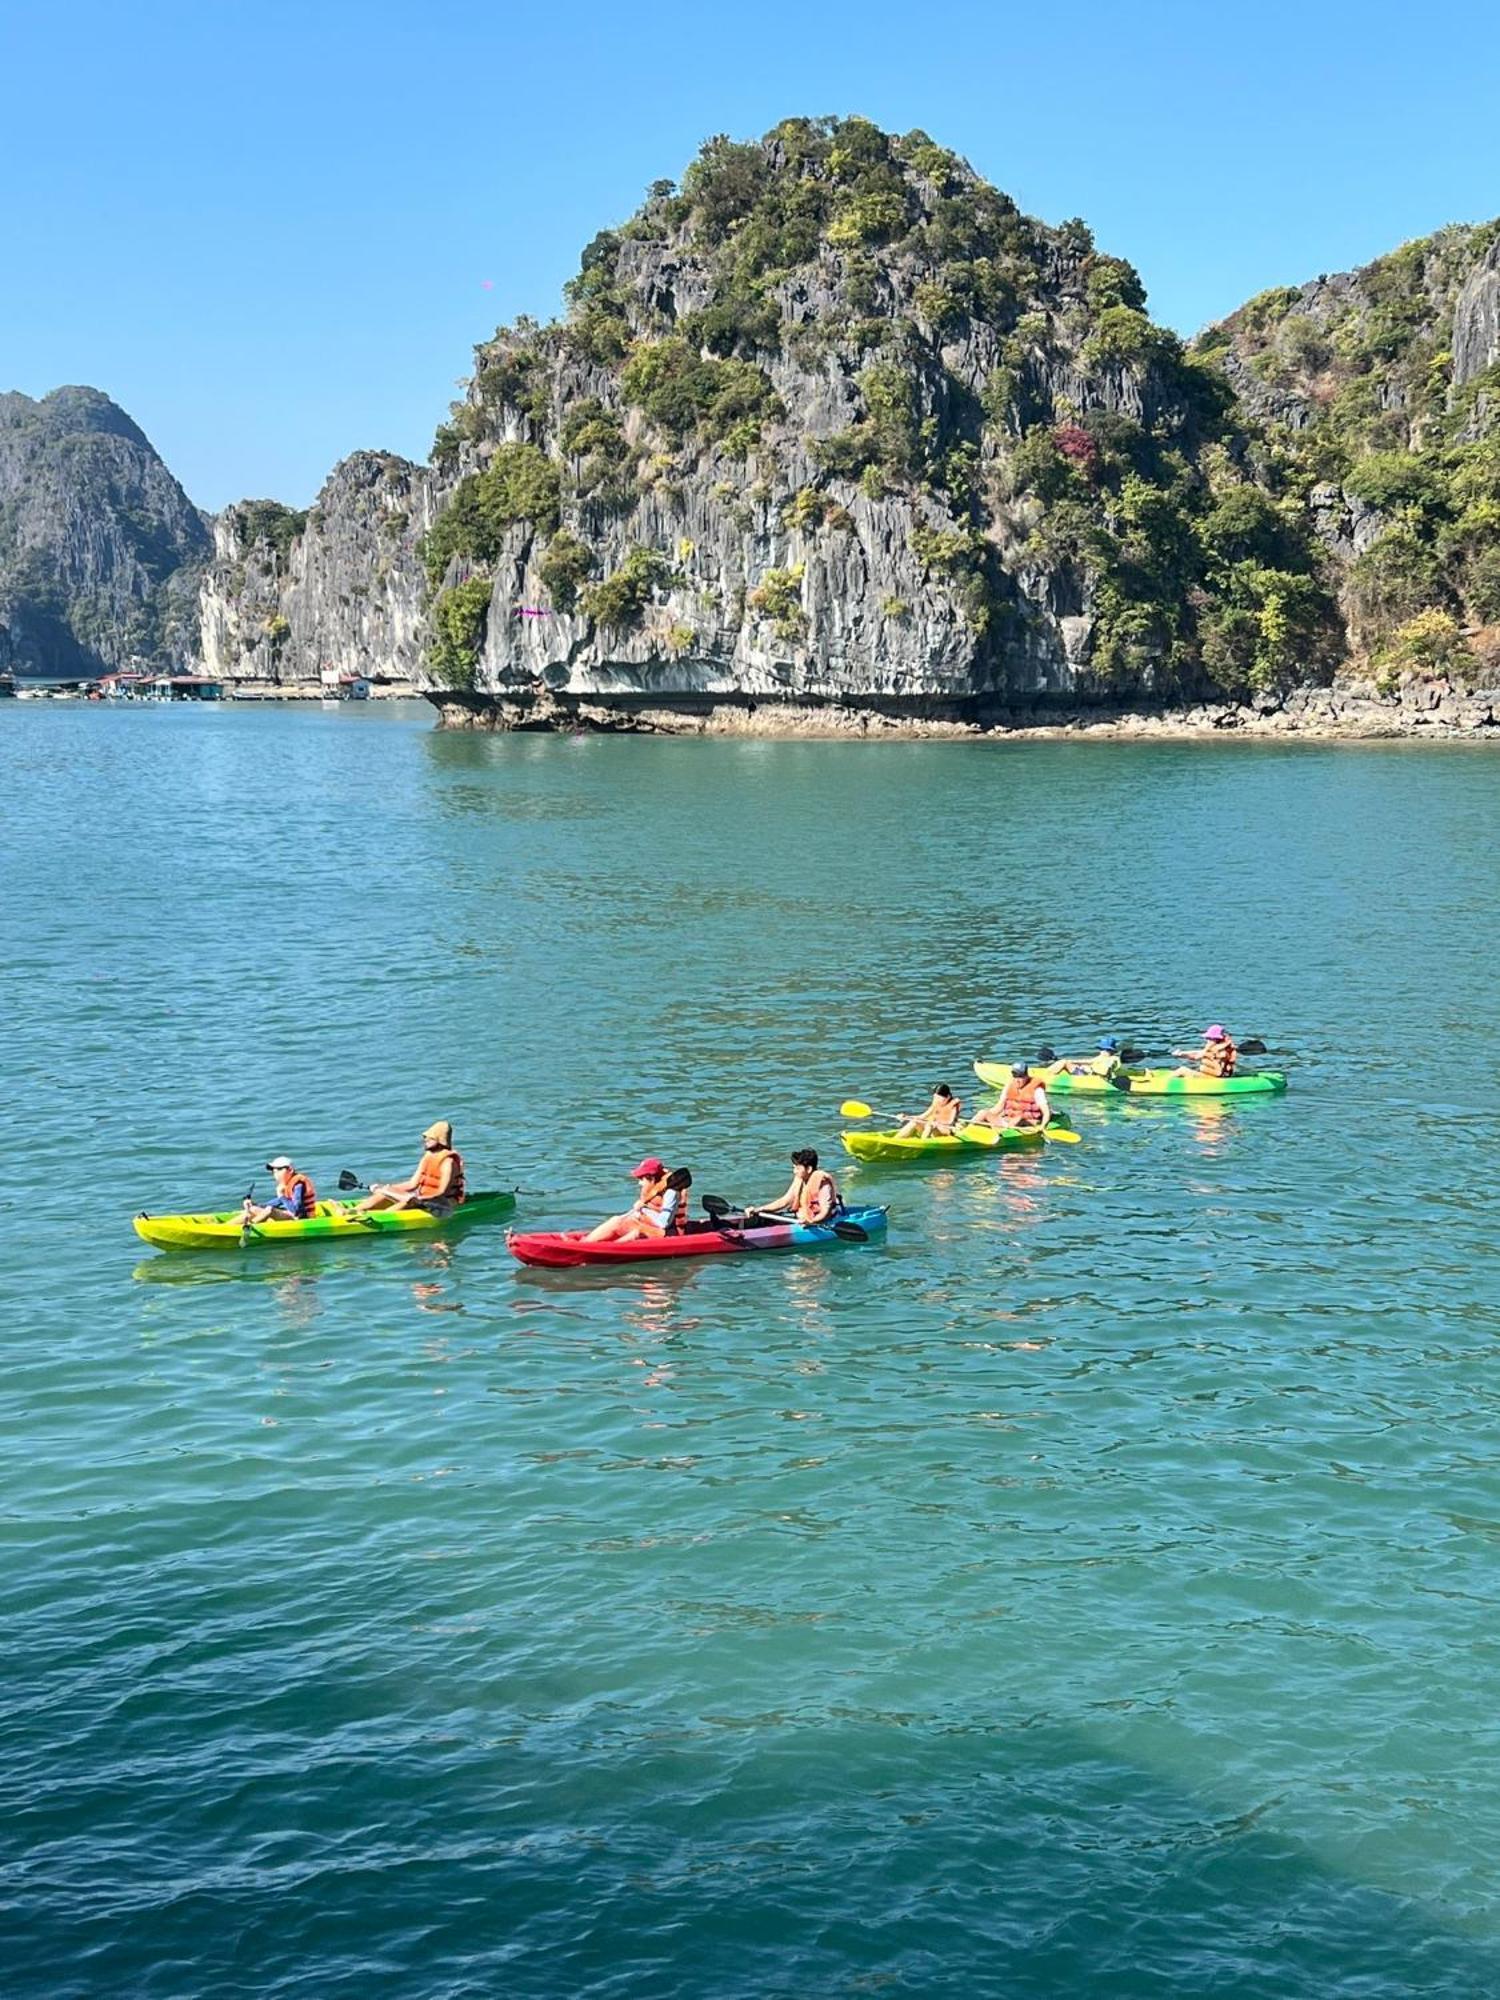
659	1210
813	1196
1023	1102
295	1197
436	1183
941	1117
1217	1057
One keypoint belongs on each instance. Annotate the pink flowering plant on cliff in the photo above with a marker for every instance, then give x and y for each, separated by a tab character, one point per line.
1075	443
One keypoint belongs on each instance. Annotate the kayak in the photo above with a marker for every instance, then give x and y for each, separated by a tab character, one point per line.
1145	1082
966	1143
565	1249
328	1219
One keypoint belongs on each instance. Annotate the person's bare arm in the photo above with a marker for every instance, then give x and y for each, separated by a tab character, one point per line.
787	1200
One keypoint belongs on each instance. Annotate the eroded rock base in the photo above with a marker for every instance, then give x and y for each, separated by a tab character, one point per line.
1430	710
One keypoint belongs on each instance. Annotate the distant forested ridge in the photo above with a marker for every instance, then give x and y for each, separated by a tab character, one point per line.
101	551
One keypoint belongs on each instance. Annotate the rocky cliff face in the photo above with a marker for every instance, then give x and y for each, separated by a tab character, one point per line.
1375	398
833	425
340	587
100	548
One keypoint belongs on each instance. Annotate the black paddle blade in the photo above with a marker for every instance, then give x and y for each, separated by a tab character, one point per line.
850	1232
1119	1081
1254	1047
1045	1055
348	1180
714	1205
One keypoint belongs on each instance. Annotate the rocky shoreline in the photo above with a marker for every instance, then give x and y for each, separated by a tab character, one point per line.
1428	711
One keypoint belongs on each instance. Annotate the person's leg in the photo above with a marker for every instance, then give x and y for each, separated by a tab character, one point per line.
376	1198
273	1211
905	1131
609	1231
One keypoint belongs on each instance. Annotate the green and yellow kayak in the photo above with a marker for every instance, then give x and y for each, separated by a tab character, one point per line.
1143	1082
329	1219
966	1141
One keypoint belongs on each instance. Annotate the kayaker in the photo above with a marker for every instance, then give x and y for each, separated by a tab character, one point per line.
660	1210
436	1183
941	1117
813	1196
1104	1064
1217	1057
1022	1103
294	1200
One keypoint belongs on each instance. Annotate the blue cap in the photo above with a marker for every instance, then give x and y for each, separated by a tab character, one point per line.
1108	1042
1020	1069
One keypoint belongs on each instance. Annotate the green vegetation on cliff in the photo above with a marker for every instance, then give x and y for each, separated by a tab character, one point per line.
1376	399
270	525
519	484
459	616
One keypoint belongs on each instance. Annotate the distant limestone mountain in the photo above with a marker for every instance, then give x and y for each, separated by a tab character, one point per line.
100	549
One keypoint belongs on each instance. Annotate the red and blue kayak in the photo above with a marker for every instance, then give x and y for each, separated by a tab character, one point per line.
565	1249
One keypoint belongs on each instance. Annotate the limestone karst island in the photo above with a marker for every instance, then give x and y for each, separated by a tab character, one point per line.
749	886
830	435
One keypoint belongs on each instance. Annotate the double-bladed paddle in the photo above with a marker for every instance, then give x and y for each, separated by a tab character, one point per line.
716	1208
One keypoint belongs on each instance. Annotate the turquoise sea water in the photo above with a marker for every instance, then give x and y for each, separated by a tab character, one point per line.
1092	1592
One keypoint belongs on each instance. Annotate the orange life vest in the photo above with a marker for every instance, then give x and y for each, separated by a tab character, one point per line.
287	1186
429	1177
1019	1105
1219	1058
814	1188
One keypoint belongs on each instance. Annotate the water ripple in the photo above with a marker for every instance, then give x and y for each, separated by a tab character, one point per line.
1092	1591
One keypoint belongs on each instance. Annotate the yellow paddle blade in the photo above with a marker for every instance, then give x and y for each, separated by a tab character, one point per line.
853	1108
1056	1136
979	1135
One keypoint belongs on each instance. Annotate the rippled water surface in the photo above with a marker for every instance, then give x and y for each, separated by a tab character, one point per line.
1092	1592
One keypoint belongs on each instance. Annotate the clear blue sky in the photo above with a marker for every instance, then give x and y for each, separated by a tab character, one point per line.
266	229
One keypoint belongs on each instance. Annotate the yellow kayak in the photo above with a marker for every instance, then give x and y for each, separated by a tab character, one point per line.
329	1219
1141	1082
967	1140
